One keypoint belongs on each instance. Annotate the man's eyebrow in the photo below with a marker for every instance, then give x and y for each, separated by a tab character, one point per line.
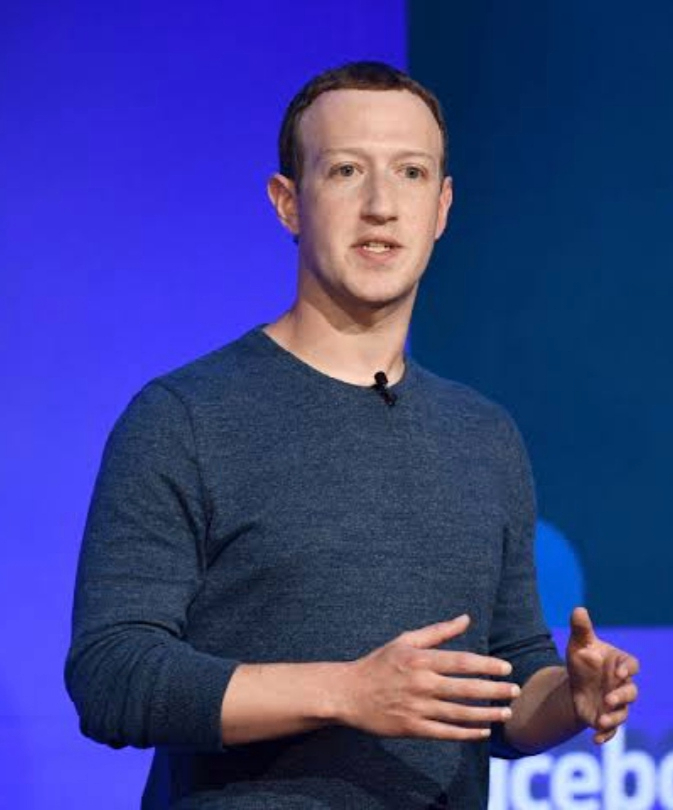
354	150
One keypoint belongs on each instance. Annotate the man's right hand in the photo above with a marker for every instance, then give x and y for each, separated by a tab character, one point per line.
409	689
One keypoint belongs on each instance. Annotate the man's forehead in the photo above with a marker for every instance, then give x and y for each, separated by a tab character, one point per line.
346	118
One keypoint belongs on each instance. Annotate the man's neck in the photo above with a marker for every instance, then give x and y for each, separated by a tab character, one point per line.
341	346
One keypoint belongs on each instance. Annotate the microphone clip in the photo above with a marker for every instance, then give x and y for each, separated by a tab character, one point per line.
381	387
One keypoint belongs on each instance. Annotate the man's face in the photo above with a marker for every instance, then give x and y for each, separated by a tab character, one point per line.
372	199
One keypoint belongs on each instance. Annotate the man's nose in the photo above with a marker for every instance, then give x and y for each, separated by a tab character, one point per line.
379	199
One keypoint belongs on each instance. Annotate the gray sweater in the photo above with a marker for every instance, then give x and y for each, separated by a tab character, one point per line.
252	509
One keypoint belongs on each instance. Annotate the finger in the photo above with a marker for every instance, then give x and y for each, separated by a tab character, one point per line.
591	656
476	689
447	662
622	696
460	714
434	730
604	736
434	634
612	720
581	627
627	666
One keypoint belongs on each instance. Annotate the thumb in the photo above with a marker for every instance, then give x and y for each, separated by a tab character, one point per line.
434	634
581	627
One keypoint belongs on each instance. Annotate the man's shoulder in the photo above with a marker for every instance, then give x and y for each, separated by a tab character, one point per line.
232	366
228	377
469	417
458	398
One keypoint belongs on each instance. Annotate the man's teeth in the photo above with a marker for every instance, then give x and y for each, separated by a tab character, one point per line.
377	247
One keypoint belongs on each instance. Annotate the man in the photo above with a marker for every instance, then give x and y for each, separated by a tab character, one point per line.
312	587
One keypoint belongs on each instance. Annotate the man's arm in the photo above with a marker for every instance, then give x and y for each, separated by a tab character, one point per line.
265	701
406	688
130	672
543	715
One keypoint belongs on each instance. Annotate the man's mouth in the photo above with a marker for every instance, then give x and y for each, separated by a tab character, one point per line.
377	246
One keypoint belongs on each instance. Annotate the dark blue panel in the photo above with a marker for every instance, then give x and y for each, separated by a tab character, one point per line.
552	290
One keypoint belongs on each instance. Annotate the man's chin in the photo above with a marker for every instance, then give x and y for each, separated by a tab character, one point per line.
378	301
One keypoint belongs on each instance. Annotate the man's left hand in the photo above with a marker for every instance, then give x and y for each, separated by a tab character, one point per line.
601	678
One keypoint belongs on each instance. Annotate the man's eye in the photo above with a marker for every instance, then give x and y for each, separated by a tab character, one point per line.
345	170
413	172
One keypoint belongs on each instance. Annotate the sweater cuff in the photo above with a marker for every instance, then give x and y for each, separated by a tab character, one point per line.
193	691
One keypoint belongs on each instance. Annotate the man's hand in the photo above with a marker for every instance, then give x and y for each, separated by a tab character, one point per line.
600	677
408	689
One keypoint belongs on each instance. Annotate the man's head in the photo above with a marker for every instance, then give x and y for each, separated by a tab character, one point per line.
363	188
351	76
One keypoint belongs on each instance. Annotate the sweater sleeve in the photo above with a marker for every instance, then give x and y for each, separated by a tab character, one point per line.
131	674
519	633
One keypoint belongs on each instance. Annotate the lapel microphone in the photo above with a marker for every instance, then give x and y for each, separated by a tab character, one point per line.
381	387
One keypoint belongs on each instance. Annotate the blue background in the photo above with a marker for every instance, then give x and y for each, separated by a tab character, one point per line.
553	290
136	141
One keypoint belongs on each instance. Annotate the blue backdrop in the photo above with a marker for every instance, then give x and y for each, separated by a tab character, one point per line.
553	288
136	141
552	293
135	235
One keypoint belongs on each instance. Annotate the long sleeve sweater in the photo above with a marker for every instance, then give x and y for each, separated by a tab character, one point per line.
250	508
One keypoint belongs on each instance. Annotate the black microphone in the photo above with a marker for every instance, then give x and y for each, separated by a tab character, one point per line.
381	386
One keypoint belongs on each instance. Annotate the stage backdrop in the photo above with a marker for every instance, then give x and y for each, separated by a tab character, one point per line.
552	293
136	235
135	145
553	290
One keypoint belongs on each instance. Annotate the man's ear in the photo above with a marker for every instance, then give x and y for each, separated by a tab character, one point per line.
445	200
283	195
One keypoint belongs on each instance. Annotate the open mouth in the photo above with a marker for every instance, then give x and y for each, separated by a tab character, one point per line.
377	247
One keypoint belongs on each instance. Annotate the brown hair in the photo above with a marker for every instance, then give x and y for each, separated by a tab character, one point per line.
351	76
